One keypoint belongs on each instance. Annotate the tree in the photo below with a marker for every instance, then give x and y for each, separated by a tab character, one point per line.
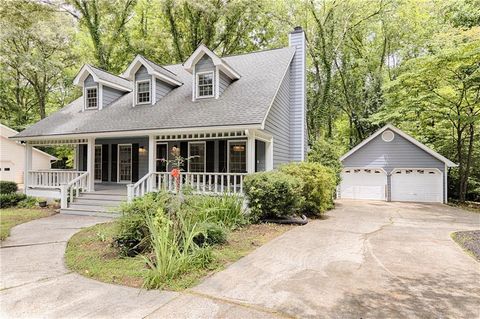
35	50
440	95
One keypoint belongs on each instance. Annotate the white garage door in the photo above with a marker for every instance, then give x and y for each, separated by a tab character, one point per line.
417	185
363	184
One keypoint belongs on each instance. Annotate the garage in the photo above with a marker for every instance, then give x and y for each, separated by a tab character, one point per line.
393	166
417	185
363	184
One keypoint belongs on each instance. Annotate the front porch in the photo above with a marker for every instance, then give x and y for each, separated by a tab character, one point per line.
137	164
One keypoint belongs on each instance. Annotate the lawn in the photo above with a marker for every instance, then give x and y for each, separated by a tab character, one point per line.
10	217
91	254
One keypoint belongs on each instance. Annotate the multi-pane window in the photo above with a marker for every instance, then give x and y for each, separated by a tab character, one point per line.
125	162
91	98
205	84
143	92
237	157
98	163
162	156
197	162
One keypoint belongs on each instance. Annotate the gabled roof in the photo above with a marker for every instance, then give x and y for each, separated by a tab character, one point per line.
217	61
153	69
102	77
8	132
405	136
243	103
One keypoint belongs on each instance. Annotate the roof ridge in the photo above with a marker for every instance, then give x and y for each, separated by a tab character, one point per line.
102	70
161	66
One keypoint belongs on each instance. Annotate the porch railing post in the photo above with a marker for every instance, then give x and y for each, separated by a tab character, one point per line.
63	196
130	193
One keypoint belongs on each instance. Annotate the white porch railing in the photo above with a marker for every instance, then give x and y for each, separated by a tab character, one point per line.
51	178
201	183
72	189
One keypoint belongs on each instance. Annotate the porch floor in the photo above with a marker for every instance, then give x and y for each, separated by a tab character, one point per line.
110	188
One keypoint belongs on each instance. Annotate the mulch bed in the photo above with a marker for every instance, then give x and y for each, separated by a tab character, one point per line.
470	241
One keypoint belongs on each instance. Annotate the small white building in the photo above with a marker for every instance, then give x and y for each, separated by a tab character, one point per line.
12	157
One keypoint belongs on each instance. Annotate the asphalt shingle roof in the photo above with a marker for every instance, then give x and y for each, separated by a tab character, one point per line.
160	69
112	78
245	101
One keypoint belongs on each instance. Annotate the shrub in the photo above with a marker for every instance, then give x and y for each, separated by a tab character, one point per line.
7	187
318	186
226	210
12	199
273	194
327	154
210	234
28	202
133	233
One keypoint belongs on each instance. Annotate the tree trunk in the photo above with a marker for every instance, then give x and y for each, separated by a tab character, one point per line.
468	163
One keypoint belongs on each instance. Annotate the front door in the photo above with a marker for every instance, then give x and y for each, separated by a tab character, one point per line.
125	163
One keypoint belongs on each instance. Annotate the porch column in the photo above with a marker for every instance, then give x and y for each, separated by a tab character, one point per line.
152	155
27	166
269	155
91	164
250	151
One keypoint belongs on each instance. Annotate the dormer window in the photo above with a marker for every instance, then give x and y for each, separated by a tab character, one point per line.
91	100
143	92
205	84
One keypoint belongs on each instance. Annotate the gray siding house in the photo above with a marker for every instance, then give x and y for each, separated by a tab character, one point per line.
232	115
391	165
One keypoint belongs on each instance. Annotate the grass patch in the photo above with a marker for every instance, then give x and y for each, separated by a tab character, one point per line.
473	207
10	217
90	253
469	241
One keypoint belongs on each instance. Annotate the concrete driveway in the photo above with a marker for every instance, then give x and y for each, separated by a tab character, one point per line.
368	259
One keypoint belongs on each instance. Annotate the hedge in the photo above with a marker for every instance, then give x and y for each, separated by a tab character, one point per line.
7	187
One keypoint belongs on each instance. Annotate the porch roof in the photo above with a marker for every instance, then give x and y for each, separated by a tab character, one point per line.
244	102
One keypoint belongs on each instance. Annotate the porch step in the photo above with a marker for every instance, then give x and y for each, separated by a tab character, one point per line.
89	212
97	202
94	208
103	196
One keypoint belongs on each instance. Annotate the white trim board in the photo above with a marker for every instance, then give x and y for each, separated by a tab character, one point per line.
407	137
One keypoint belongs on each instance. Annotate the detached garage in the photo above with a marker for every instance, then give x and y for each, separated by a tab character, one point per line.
391	165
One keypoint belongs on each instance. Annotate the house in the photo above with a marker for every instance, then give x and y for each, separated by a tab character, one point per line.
391	165
12	157
233	115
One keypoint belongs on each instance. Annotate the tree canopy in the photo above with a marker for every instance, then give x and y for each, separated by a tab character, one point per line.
414	63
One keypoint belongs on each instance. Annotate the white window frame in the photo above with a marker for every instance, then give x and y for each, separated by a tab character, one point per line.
149	91
100	146
246	153
204	155
86	98
157	159
197	87
118	163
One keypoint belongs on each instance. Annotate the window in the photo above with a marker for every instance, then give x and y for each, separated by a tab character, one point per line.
197	163
143	92
237	156
7	169
161	157
91	101
98	163
388	136
205	84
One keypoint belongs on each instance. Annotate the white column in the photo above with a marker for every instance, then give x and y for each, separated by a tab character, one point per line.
250	151
91	164
27	166
269	155
152	156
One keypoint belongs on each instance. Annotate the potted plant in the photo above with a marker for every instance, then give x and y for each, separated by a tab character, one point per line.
42	202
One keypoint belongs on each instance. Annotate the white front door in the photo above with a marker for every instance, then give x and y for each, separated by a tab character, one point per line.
363	184
417	185
125	163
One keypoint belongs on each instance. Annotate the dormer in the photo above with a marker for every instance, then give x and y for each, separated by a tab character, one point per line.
211	75
151	81
100	88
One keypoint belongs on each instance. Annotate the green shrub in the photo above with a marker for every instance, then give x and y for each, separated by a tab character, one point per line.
210	234
326	153
133	233
225	210
318	186
7	187
273	194
28	202
12	199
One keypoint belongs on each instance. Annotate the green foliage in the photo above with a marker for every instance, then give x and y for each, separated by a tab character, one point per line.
12	199
7	187
326	153
273	194
318	186
28	202
210	234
